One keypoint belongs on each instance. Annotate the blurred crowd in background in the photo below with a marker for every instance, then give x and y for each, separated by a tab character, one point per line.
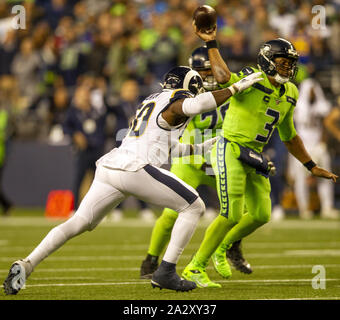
102	57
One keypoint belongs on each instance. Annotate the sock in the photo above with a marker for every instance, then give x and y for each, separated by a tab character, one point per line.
167	266
183	230
56	238
213	236
162	231
151	258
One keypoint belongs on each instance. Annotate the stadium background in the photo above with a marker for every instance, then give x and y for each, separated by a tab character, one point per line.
119	51
98	47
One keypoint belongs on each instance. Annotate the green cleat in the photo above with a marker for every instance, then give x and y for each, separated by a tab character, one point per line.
221	264
197	274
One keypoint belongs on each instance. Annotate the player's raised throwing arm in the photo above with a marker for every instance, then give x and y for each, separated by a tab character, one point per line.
219	67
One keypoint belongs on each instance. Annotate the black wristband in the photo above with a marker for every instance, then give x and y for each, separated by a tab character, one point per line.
310	165
211	44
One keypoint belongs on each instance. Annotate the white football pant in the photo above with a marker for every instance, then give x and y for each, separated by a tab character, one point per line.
154	185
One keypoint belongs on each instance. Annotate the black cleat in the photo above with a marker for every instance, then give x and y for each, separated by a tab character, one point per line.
148	267
165	277
235	257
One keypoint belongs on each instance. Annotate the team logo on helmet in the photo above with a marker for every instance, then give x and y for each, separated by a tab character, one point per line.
183	78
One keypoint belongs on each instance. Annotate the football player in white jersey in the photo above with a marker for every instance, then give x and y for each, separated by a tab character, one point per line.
134	169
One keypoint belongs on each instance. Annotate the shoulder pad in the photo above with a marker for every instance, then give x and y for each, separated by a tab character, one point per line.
245	71
180	94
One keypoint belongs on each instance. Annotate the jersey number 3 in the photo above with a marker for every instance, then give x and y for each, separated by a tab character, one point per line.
269	126
140	122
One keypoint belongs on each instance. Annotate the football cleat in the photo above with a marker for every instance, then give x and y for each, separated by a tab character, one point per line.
167	278
235	257
221	264
18	273
197	274
148	267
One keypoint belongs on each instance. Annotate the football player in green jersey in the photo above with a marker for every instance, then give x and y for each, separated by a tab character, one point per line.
240	167
193	170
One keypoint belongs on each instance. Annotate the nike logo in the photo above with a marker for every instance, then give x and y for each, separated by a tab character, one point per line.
201	284
195	271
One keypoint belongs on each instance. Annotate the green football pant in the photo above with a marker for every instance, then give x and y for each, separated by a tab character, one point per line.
238	185
161	232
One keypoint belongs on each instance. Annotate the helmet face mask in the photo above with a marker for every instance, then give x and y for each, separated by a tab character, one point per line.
286	69
199	61
183	78
283	70
210	83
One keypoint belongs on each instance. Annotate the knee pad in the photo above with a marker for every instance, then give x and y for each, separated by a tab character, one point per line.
74	226
197	207
262	217
265	218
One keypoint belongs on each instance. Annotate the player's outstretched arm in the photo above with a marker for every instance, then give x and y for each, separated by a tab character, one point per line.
296	147
181	109
219	67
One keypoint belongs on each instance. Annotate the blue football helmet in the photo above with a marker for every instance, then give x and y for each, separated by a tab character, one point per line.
273	49
183	77
199	61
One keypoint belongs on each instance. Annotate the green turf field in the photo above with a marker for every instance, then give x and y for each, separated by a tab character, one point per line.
104	264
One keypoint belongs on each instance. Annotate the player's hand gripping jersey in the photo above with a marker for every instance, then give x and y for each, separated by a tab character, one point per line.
145	143
254	113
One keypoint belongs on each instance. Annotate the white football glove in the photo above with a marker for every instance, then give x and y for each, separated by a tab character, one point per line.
245	83
204	147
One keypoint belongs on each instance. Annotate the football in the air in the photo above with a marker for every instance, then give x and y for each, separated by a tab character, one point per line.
205	18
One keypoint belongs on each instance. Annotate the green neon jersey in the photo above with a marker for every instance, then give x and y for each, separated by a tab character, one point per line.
255	112
202	127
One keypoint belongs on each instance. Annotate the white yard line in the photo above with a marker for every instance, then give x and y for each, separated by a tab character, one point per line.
135	222
63	278
311	298
143	282
314	252
257	267
84	258
296	254
285	254
5	246
271	280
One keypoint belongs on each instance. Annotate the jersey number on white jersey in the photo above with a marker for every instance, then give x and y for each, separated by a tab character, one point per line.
140	122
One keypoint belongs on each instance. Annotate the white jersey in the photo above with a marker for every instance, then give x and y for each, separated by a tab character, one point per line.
149	138
308	115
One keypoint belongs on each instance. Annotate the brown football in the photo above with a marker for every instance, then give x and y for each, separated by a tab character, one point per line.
205	18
